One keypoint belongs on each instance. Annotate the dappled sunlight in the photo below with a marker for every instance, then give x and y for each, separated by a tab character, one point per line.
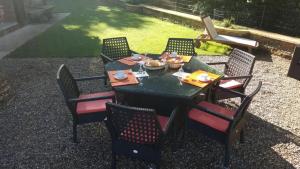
107	9
90	22
72	27
291	152
103	8
215	47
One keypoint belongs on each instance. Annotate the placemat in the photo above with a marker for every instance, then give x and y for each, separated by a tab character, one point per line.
129	61
192	79
186	59
129	81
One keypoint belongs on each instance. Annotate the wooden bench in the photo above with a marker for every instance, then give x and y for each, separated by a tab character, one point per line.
212	35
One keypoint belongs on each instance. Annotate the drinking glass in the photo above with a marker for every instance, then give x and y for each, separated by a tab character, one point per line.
141	73
180	72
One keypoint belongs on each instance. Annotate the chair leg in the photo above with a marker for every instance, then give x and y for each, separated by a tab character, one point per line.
227	155
157	166
74	132
250	50
242	136
105	82
114	161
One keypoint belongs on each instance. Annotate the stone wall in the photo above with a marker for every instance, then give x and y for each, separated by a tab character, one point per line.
9	11
33	3
5	90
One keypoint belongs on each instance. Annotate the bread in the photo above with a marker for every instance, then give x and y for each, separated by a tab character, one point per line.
154	63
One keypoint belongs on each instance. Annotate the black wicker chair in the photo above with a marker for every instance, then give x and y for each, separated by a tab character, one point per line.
137	132
181	46
85	108
221	123
238	73
115	49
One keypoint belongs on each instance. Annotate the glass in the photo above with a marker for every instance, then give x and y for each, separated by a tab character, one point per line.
180	75
141	73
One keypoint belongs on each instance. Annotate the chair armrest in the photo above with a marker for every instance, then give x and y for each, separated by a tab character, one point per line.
76	100
91	78
172	119
106	58
237	77
238	94
217	63
228	118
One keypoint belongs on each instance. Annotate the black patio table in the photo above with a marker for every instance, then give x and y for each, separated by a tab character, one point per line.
161	90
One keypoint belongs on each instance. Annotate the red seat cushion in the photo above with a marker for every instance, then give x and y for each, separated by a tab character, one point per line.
211	120
163	121
93	106
230	84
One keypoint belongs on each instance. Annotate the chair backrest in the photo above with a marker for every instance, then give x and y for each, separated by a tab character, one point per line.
212	32
240	63
181	46
131	124
68	86
242	109
116	48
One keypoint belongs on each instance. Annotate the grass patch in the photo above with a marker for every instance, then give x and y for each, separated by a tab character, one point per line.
91	21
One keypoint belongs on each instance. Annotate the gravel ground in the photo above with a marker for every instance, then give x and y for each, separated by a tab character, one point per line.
36	125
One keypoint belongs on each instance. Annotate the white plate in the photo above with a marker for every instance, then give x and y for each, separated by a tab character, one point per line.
136	58
204	80
120	77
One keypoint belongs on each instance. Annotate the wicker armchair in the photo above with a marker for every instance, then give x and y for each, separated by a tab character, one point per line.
181	46
137	132
85	108
220	123
115	49
238	73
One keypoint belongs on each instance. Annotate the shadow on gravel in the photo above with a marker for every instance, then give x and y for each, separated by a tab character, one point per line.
36	129
262	141
263	55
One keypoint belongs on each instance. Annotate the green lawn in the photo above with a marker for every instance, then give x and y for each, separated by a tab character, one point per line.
90	21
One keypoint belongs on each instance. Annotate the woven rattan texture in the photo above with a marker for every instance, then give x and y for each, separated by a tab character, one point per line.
116	48
68	85
181	46
240	63
135	125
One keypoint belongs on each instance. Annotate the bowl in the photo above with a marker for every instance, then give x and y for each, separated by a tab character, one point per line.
203	77
174	65
120	75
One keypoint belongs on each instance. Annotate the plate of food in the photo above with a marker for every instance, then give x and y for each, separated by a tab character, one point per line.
175	63
154	65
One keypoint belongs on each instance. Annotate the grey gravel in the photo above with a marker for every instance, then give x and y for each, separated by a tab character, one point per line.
36	125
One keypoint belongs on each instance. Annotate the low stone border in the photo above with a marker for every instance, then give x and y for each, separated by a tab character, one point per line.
5	90
278	44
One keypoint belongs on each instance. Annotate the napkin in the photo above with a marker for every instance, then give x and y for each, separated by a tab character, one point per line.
143	74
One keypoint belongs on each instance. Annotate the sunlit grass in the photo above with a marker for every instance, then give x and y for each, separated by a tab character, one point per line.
91	21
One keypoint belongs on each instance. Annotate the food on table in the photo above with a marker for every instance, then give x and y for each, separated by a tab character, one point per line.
154	63
175	60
